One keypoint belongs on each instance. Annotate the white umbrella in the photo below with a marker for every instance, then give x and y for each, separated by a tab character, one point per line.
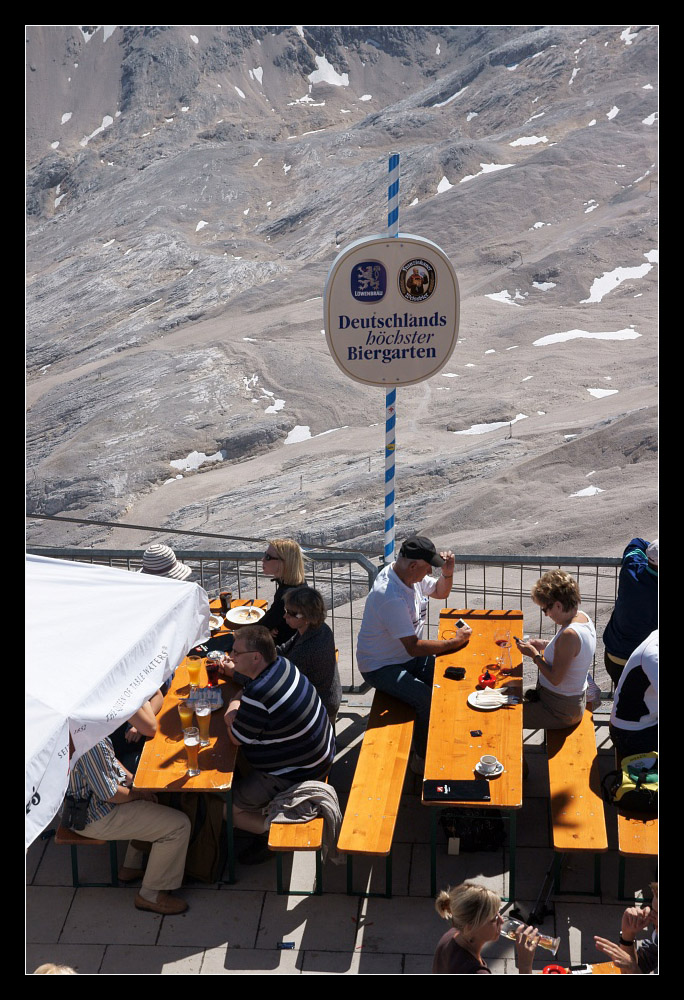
99	643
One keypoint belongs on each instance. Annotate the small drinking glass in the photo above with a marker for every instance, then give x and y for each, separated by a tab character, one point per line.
510	927
502	638
191	739
212	663
186	710
203	713
194	667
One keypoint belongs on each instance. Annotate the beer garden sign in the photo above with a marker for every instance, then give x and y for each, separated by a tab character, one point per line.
391	310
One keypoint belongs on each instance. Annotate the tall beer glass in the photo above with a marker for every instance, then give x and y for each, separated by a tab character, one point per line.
191	738
203	713
194	667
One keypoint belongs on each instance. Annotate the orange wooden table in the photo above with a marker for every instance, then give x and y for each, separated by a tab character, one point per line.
452	752
605	969
163	764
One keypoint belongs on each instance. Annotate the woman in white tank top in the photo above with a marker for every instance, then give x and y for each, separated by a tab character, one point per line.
563	661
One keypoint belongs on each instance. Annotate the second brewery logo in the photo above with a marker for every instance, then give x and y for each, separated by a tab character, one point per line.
417	280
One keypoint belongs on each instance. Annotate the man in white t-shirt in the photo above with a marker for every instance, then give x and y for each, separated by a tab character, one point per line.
634	719
391	652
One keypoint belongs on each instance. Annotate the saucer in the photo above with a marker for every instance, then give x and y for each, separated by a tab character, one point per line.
489	774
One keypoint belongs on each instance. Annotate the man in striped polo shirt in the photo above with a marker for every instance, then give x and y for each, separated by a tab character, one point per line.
117	811
282	728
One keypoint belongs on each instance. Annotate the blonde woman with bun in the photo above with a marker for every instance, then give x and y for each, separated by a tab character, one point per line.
50	969
475	920
283	561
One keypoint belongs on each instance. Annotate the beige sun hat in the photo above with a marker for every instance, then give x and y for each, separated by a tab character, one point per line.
160	560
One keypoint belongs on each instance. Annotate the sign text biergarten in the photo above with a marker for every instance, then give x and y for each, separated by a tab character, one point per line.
391	310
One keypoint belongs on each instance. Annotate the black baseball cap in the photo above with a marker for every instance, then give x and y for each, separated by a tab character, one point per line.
419	547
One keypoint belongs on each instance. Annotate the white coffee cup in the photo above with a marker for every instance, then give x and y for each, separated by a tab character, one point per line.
488	763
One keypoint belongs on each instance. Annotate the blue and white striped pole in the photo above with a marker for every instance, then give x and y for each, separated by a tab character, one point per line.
391	394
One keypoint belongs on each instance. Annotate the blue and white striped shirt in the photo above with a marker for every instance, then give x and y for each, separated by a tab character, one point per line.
98	772
283	726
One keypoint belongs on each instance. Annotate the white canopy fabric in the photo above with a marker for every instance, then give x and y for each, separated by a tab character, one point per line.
99	642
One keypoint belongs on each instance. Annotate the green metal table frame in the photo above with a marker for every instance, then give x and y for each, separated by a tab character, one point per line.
510	818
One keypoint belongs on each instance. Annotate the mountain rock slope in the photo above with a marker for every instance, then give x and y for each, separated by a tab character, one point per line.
188	189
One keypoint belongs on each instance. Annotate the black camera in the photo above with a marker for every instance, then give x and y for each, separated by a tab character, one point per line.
75	812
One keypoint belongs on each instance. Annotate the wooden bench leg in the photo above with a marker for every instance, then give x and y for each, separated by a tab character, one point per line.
387	894
621	883
318	884
113	868
512	836
230	839
621	880
114	862
433	851
558	863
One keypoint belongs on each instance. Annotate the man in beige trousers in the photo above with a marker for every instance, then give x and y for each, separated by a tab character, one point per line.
116	811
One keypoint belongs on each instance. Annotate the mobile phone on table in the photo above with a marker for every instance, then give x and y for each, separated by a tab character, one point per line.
456	673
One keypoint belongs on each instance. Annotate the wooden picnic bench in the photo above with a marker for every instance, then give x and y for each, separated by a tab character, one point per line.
373	805
637	838
287	838
66	837
577	816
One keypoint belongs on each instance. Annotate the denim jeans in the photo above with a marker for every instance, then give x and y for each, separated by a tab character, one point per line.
410	682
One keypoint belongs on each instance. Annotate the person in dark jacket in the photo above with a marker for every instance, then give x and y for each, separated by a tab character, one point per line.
635	614
312	647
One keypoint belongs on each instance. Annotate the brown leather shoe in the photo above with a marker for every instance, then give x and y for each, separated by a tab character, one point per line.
166	904
130	874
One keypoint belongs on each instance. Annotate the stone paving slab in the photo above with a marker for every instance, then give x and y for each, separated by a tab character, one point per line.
47	911
309	921
152	960
229	917
86	959
250	962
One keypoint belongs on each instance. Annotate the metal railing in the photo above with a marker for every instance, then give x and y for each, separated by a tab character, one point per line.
345	577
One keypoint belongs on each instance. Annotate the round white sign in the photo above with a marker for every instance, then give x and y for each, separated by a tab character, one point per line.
391	310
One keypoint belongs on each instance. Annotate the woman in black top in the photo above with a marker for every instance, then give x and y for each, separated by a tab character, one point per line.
284	563
312	647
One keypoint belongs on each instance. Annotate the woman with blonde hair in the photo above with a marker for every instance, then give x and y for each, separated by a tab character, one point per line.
283	561
475	919
564	661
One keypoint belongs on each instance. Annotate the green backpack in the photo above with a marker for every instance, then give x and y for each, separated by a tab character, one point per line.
634	788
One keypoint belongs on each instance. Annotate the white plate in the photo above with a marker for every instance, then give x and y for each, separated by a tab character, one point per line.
246	614
474	703
215	622
489	774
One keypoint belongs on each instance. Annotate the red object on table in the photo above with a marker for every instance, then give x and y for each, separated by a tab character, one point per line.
486	680
554	970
